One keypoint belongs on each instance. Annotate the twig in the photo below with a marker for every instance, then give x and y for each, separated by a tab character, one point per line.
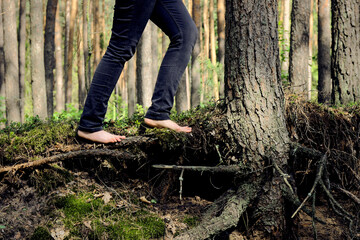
313	215
70	155
181	179
222	169
349	194
317	179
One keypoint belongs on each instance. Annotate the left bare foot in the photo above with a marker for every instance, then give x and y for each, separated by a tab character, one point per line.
167	124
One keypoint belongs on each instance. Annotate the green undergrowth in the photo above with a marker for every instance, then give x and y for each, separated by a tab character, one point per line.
87	217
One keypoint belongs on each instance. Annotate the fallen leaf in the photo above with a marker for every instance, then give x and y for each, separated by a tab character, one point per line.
106	198
88	224
144	200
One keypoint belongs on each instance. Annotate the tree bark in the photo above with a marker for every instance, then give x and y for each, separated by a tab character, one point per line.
144	83
2	66
70	54
81	64
66	47
299	47
206	50
324	59
49	57
195	63
131	85
22	51
215	79
86	45
255	103
286	38
345	51
37	59
60	90
96	32
182	94
221	40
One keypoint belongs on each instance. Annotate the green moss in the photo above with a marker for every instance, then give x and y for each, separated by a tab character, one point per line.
41	233
48	179
191	221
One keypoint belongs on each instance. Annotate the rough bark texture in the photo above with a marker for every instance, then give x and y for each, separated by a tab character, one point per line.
11	62
131	85
299	47
37	59
96	32
60	91
86	45
182	93
2	62
143	62
215	79
255	104
22	50
345	51
221	40
49	49
195	64
324	59
81	64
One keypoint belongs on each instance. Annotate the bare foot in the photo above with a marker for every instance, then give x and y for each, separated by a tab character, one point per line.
100	136
167	124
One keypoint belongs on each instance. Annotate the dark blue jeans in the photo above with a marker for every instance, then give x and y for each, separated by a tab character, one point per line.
130	19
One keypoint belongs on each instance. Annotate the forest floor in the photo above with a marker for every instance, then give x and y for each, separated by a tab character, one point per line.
82	198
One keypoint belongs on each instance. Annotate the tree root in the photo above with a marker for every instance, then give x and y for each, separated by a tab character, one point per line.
234	207
218	169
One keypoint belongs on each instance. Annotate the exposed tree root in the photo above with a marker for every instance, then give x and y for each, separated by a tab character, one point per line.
234	207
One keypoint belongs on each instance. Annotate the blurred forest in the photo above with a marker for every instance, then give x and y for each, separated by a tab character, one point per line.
47	69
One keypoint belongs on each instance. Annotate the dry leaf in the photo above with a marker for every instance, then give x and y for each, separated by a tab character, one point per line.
106	198
144	200
88	224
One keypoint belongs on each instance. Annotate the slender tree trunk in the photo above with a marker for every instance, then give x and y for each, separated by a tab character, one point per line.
11	62
2	70
299	48
155	52
70	54
86	45
66	47
103	29
49	49
195	63
96	32
286	38
345	60
37	59
311	36
60	86
22	50
324	59
81	64
213	52
206	49
131	85
181	93
253	84
221	40
144	82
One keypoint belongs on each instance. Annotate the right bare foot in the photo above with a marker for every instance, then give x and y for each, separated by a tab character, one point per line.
100	136
167	124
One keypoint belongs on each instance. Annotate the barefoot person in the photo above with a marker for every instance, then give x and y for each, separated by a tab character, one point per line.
130	19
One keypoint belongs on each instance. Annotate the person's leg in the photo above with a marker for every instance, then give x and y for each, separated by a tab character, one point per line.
173	18
130	18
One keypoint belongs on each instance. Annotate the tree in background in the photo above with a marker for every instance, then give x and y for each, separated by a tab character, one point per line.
215	79
13	112
60	86
299	48
221	40
286	37
345	59
195	64
37	59
22	53
2	67
324	59
49	49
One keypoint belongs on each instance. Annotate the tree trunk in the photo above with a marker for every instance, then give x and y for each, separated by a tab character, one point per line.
22	61
66	47
37	59
144	82
215	79
345	51
286	38
131	85
255	102
96	32
299	47
311	36
324	59
70	54
49	57
155	51
103	30
81	64
60	90
86	45
221	40
2	70
205	74
195	63
182	93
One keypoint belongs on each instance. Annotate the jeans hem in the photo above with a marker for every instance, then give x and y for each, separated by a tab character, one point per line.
90	130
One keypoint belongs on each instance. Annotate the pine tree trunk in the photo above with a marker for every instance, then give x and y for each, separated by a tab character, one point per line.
324	59
144	82
345	51
221	40
154	54
206	45
81	64
86	45
286	38
11	62
70	54
299	47
195	63
22	50
215	79
131	85
66	47
181	93
255	102
2	69
37	59
60	90
96	32
311	36
49	48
